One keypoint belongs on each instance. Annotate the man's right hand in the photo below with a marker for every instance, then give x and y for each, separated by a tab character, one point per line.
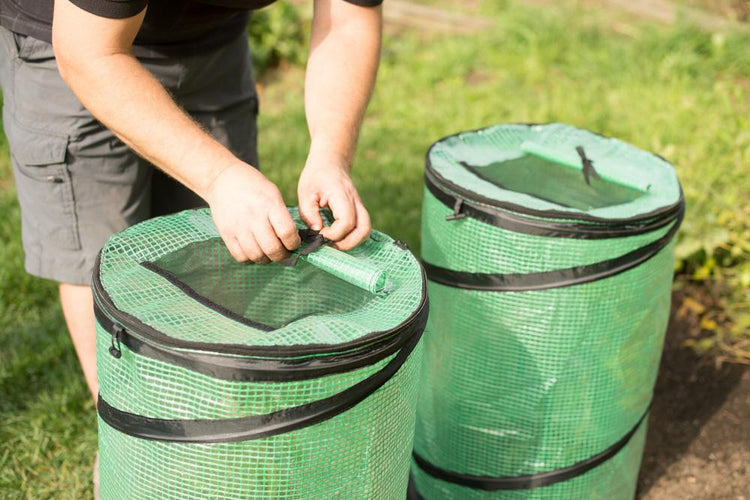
251	216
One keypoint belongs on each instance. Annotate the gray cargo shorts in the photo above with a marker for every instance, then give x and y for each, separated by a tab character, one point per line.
77	183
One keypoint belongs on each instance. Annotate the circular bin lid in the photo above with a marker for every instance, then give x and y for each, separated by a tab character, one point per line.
555	171
174	276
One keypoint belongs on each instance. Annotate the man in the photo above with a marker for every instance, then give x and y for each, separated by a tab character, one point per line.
135	83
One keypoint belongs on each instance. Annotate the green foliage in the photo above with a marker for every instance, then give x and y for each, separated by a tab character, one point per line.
277	34
678	92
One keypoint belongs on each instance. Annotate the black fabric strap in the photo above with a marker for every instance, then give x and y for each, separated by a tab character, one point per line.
248	369
529	481
550	279
494	204
312	241
256	426
544	227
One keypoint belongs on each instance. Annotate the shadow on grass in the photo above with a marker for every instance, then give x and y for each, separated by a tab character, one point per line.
689	391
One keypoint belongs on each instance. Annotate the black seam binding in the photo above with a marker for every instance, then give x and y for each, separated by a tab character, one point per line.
248	369
255	426
190	292
281	353
557	278
529	481
491	206
463	207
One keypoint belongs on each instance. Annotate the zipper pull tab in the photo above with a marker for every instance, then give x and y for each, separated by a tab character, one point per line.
116	351
456	210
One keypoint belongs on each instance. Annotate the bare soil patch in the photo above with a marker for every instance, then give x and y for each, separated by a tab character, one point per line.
698	444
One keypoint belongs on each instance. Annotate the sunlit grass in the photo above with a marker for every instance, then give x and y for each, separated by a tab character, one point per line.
679	92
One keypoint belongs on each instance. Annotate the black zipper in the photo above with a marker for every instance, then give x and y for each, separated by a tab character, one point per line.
256	362
117	332
519	219
494	209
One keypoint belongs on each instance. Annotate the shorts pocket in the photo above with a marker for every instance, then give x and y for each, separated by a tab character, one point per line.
45	190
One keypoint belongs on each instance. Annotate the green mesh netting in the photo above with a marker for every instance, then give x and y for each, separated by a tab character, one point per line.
549	301
221	379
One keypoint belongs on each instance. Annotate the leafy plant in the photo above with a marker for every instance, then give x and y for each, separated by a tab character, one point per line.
277	34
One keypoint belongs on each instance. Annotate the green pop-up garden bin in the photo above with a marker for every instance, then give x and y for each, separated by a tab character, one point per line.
549	256
221	379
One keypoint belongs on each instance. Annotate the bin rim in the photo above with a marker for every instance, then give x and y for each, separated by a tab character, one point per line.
300	338
662	202
103	303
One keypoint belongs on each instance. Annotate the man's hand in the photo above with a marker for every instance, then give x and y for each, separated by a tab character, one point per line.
250	215
325	182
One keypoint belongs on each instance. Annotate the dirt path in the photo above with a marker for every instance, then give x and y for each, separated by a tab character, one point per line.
426	17
698	443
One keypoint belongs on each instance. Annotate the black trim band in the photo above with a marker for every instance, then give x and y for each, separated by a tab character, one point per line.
550	214
551	279
256	426
247	369
529	481
544	227
150	334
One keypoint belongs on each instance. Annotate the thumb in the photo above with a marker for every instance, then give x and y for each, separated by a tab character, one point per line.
309	210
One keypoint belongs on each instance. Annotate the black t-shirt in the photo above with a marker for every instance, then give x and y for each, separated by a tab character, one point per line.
171	27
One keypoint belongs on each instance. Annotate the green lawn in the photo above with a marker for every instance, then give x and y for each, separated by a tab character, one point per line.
677	91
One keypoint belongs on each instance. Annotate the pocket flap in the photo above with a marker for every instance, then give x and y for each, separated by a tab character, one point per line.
32	147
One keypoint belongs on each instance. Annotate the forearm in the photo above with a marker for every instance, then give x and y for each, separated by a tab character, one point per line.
341	70
94	56
124	96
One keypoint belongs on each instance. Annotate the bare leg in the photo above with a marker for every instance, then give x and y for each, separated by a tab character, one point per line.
78	309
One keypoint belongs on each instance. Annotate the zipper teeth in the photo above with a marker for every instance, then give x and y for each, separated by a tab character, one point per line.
114	314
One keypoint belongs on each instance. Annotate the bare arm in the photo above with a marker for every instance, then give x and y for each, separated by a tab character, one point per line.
94	57
341	70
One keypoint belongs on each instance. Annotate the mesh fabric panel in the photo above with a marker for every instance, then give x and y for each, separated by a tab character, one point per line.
362	452
518	383
188	244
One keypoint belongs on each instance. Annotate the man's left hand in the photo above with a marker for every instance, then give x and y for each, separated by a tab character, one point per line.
325	181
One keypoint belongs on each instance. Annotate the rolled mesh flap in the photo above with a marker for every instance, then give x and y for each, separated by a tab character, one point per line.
222	379
549	256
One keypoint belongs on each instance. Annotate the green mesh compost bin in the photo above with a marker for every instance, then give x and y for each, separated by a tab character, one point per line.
228	380
549	256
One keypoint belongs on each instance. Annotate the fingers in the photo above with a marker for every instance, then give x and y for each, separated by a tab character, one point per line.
235	249
269	243
252	250
263	241
360	232
309	210
285	229
345	217
261	244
